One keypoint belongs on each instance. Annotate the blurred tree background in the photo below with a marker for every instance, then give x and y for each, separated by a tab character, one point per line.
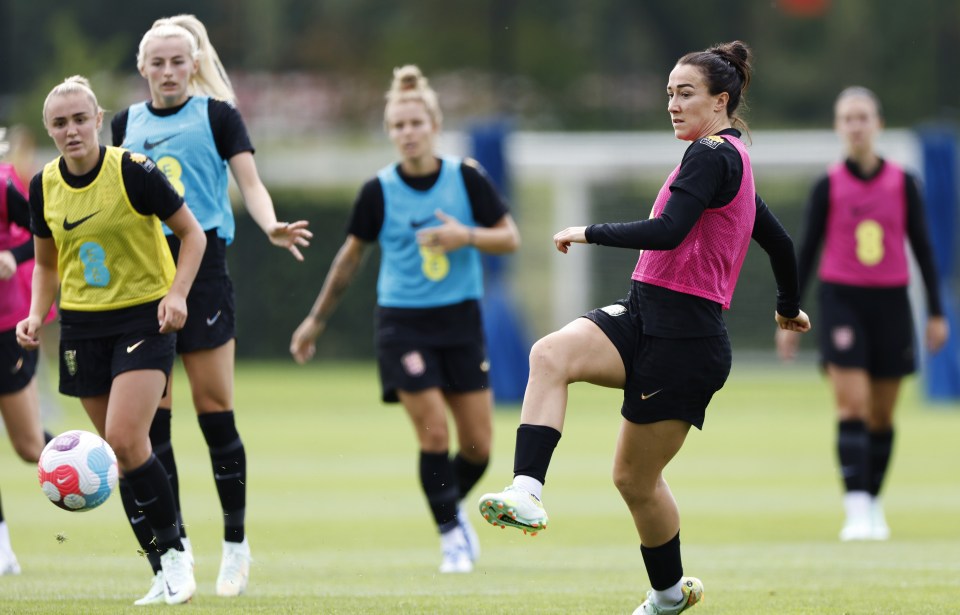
315	71
557	64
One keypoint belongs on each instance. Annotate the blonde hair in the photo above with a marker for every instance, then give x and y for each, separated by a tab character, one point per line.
409	84
211	78
77	84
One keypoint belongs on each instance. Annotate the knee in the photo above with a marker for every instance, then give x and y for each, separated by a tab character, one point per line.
548	356
433	438
634	489
29	451
130	454
476	452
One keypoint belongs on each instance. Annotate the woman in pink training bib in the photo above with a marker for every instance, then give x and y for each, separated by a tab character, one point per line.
863	212
665	344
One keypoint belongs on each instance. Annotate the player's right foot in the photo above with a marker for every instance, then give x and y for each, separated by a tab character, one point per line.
692	589
857	528
514	507
154	595
178	582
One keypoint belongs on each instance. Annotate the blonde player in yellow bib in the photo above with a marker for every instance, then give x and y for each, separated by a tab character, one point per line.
96	214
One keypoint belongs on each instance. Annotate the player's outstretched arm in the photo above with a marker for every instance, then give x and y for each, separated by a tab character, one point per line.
289	235
342	271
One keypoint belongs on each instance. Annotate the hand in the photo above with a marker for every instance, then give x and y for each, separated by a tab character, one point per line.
787	342
27	332
172	313
449	236
303	343
938	331
569	235
289	235
799	323
8	265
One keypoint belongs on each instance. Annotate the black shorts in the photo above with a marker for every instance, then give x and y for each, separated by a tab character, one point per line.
422	348
211	315
414	367
88	366
867	328
667	378
17	366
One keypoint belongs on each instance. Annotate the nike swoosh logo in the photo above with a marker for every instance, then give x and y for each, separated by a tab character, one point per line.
133	347
149	145
69	226
213	319
649	395
136	520
60	481
419	223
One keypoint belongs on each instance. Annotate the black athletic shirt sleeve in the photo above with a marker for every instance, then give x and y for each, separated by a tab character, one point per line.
229	131
487	207
38	224
18	212
770	235
118	127
814	229
921	246
147	187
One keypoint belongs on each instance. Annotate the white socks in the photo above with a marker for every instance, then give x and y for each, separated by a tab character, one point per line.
529	484
669	597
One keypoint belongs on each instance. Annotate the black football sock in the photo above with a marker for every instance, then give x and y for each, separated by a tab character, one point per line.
153	499
881	448
468	473
854	454
439	484
534	449
229	459
162	445
663	564
138	523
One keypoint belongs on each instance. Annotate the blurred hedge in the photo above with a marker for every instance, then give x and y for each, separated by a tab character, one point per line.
274	291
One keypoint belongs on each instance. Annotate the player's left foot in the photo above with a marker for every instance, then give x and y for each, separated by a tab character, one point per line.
514	507
692	589
879	530
469	534
178	582
8	563
234	569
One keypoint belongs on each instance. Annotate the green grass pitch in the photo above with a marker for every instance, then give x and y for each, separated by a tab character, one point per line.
337	522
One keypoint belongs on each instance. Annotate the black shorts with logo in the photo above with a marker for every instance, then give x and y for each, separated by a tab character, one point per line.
211	315
444	347
867	328
88	366
211	306
667	378
17	366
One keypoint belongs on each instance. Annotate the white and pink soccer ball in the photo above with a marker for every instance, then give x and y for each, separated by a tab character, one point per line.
77	470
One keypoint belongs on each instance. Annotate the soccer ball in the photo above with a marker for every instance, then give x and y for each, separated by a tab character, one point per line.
77	470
